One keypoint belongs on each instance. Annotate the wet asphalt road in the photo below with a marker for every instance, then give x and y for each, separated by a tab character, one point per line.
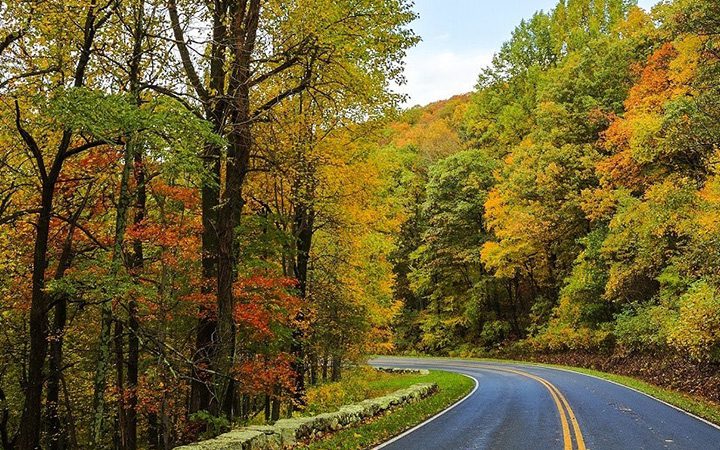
524	407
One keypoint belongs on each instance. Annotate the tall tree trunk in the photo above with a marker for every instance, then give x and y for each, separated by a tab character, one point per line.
303	226
266	399
153	432
275	410
71	425
121	428
201	392
101	372
55	429
136	261
225	332
106	315
313	368
228	221
336	368
227	106
244	21
4	418
30	424
136	264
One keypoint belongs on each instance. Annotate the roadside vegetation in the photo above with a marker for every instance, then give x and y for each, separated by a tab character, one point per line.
451	388
567	210
358	384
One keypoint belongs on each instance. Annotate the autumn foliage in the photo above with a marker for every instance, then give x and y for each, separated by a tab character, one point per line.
182	230
589	151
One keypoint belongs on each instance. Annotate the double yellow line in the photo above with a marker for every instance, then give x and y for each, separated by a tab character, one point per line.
567	416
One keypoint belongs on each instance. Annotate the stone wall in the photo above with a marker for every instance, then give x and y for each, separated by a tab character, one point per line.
287	433
398	371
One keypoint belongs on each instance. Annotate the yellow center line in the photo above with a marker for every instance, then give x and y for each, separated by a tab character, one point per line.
560	401
576	426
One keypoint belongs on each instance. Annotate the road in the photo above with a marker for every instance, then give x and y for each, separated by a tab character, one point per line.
517	406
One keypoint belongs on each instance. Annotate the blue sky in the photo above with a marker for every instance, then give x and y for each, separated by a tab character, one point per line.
459	38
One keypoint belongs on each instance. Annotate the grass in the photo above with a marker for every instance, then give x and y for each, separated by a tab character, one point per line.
696	405
357	385
452	387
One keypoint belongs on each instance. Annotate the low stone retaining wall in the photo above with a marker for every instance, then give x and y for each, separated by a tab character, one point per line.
399	371
287	433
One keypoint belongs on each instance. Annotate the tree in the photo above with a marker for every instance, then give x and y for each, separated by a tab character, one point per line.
258	78
49	170
447	270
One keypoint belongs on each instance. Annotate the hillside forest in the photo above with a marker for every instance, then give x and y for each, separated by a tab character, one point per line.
207	207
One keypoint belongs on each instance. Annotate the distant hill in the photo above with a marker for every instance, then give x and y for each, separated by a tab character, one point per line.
434	130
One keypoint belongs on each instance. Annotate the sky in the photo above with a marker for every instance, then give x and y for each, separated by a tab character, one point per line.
459	37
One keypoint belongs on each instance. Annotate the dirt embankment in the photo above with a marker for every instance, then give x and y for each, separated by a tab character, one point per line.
666	370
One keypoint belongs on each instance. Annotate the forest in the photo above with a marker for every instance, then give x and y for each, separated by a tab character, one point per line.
207	207
571	202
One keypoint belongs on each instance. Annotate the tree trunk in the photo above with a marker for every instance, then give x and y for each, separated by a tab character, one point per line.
200	390
201	386
225	334
153	431
55	428
121	427
30	424
234	32
136	260
101	372
4	418
106	315
238	157
313	368
71	425
275	413
267	407
336	368
303	229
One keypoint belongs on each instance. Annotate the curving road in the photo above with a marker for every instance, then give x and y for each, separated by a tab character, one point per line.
517	406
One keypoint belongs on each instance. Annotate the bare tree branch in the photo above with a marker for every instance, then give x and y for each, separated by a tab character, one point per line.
89	145
185	53
71	221
17	215
279	98
30	142
31	73
174	95
10	38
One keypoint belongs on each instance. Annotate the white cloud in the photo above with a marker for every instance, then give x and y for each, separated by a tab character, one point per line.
647	4
440	75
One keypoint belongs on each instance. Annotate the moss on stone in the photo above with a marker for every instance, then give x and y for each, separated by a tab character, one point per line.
288	432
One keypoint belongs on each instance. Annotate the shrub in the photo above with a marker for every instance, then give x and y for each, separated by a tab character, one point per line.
643	327
697	326
212	425
494	332
559	336
356	385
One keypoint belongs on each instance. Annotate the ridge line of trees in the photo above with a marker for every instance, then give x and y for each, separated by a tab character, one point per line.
569	203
